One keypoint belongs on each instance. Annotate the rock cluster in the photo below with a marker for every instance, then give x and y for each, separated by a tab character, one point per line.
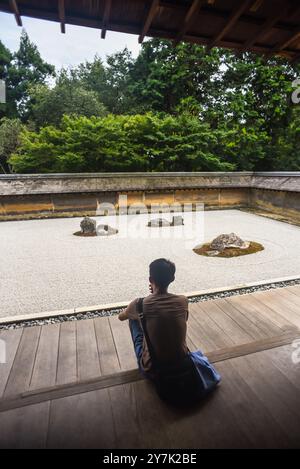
88	226
159	222
225	241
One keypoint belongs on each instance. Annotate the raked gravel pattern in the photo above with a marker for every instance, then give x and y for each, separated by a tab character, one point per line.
44	267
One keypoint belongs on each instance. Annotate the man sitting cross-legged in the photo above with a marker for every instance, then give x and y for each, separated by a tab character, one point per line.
166	316
158	326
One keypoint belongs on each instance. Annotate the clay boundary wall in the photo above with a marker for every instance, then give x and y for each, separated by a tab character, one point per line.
51	195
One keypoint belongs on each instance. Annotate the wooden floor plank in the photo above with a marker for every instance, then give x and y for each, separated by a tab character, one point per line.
21	371
229	327
162	426
257	404
82	421
109	361
281	307
125	417
209	331
242	319
252	311
125	377
254	347
45	366
281	385
155	420
283	359
295	289
116	352
294	300
123	343
211	424
67	356
190	344
269	313
256	370
198	335
253	417
269	320
87	350
25	428
220	422
11	339
122	398
248	410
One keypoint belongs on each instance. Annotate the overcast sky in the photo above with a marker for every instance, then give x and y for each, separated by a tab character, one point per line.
77	45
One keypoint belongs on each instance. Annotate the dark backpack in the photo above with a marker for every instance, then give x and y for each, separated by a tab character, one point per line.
178	384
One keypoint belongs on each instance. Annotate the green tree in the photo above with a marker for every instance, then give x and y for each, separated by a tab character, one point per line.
286	152
26	69
92	76
10	130
5	62
118	70
121	143
163	76
171	108
256	96
48	105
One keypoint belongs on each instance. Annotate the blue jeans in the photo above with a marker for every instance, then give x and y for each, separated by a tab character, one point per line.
137	335
137	339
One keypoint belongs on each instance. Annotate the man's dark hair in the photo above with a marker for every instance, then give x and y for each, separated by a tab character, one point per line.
162	272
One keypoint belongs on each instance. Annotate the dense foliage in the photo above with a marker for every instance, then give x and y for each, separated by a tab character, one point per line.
122	143
170	109
10	130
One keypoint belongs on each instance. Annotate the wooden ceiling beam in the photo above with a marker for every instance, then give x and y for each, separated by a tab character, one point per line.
106	15
14	7
154	7
221	15
189	18
295	35
235	15
288	42
271	22
49	15
295	59
62	15
264	30
256	5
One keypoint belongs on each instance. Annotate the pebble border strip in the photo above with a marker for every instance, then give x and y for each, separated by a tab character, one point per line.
113	312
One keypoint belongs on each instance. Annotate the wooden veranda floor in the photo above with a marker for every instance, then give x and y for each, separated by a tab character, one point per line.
75	384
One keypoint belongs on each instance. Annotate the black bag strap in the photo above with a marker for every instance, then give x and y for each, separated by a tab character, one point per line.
140	308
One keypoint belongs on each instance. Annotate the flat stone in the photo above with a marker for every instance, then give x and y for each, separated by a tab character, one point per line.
177	220
158	223
106	230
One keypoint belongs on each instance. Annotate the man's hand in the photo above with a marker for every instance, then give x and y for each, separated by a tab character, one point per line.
122	316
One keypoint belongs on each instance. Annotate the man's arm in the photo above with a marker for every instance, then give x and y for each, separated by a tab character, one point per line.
130	312
123	315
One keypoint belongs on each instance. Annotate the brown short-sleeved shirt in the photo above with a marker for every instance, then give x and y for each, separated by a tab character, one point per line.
166	317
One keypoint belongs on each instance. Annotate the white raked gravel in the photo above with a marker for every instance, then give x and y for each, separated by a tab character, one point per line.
44	267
